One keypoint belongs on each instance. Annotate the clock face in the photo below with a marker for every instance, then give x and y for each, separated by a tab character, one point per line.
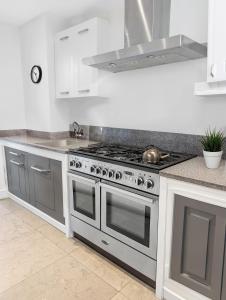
36	74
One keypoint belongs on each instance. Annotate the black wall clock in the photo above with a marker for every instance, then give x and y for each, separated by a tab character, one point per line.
36	74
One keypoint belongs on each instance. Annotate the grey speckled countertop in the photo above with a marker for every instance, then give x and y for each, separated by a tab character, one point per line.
195	171
49	144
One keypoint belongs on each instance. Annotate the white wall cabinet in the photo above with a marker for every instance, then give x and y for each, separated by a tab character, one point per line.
64	66
216	69
216	61
73	78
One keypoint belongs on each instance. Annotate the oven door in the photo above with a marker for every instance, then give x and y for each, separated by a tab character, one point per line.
84	194
131	217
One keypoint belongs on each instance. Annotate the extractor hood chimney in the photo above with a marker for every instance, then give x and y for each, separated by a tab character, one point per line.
147	41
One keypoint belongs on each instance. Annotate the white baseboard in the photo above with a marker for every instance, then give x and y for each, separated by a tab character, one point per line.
3	194
38	212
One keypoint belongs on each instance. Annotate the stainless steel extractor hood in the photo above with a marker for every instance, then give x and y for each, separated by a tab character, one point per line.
147	41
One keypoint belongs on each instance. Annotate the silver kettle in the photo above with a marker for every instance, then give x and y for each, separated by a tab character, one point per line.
153	155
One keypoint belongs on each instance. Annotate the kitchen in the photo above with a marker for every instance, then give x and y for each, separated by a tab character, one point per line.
105	191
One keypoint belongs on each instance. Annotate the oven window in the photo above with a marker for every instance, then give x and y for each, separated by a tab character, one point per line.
84	199
128	218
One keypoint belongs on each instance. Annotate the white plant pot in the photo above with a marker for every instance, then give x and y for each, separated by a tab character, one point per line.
212	159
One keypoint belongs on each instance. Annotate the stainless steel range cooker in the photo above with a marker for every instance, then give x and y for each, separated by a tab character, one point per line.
114	202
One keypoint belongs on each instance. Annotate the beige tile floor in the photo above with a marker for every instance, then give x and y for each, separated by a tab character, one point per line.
37	262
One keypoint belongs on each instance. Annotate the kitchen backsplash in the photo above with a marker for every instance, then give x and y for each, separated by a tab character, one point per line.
168	141
177	142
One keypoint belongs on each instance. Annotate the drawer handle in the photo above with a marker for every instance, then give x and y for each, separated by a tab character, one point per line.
16	163
105	242
64	38
65	93
212	73
84	91
13	153
83	31
42	171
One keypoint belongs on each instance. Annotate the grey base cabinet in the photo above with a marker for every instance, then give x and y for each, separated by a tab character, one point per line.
16	165
36	180
198	247
45	185
223	294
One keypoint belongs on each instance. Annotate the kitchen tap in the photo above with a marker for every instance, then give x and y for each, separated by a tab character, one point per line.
77	130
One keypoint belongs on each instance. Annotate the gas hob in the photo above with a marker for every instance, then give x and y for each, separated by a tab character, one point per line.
132	156
122	165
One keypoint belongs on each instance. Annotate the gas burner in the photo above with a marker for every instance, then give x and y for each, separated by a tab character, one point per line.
130	155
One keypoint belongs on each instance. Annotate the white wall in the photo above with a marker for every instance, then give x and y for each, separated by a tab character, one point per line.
37	47
159	98
34	52
189	17
11	88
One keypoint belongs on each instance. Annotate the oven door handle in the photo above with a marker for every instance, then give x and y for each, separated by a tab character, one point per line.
83	179
151	200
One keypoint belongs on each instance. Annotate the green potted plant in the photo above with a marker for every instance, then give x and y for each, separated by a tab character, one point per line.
212	144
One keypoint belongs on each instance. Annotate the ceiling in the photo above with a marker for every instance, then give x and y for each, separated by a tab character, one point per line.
19	12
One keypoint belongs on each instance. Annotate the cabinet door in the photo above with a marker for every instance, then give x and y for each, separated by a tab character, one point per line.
64	65
45	177
198	246
17	173
86	45
217	41
223	295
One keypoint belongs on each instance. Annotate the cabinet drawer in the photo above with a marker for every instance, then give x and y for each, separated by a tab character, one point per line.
16	165
15	154
126	254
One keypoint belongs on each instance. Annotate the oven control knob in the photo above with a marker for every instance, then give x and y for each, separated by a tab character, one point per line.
111	174
92	169
98	170
118	175
105	172
140	181
78	164
149	184
72	163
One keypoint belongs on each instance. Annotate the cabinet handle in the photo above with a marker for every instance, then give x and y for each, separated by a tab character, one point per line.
43	171
212	71
16	163
65	93
104	242
64	38
83	31
84	91
13	153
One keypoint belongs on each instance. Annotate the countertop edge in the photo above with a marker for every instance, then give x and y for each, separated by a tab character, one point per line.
194	181
61	151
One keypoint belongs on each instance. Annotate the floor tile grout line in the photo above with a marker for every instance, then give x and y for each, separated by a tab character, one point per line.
56	244
124	286
36	229
27	223
35	273
119	294
99	275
